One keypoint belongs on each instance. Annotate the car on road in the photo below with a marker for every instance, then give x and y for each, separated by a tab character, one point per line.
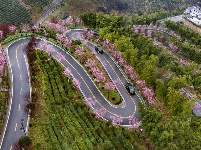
99	49
130	88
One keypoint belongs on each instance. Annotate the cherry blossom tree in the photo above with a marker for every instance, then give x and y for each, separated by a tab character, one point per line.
78	21
67	72
79	51
12	28
67	43
116	119
59	37
85	30
128	69
2	62
25	28
76	83
98	74
36	28
141	83
69	20
90	63
99	113
134	122
90	102
149	94
90	33
109	86
122	61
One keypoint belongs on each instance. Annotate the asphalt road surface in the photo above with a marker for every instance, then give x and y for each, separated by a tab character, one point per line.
16	127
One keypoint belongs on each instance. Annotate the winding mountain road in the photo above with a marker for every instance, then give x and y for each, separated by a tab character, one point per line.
19	73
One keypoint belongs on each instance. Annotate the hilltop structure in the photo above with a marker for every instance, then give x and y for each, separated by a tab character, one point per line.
193	14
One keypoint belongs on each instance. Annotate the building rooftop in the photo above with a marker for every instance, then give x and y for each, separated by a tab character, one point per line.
193	14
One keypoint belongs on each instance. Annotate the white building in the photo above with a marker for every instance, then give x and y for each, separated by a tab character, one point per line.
193	14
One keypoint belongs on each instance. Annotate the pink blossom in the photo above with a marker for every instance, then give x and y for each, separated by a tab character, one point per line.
90	63
149	94
67	72
85	30
78	21
134	122
25	27
12	28
36	28
141	83
67	42
128	69
109	86
122	61
59	37
99	113
69	20
76	83
79	51
90	33
116	119
90	101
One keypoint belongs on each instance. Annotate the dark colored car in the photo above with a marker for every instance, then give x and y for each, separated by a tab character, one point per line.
99	49
130	88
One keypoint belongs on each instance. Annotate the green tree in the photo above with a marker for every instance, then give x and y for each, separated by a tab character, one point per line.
160	89
123	43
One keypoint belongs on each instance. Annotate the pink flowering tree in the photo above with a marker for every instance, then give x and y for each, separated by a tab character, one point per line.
90	63
76	83
12	28
84	30
109	86
25	28
67	72
67	43
90	102
69	20
2	62
79	51
134	122
149	94
90	33
99	113
98	74
78	21
141	83
36	28
116	119
59	37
